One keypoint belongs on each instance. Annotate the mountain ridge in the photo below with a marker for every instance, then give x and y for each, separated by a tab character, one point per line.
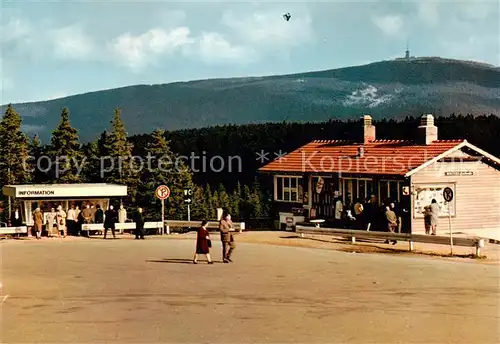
394	89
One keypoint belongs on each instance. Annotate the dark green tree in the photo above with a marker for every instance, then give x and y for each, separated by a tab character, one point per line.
120	167
38	166
224	200
14	150
65	152
92	167
236	200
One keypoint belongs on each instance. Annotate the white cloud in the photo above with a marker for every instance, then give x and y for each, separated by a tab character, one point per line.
72	43
214	48
14	30
136	52
428	12
268	29
391	25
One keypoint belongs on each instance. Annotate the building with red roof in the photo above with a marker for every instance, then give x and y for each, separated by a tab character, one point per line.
310	181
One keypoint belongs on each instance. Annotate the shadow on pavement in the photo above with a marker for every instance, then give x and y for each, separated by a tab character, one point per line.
179	261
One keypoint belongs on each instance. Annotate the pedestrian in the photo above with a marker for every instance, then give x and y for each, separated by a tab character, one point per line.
51	218
61	222
203	243
139	224
227	239
392	222
98	214
358	213
111	217
70	220
397	211
434	210
38	221
87	214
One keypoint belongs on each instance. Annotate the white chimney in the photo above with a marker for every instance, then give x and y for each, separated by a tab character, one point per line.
368	129
427	131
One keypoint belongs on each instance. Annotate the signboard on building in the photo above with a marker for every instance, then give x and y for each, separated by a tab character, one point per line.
459	173
47	191
424	194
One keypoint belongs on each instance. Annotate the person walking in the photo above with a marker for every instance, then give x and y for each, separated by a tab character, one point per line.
434	210
203	243
139	225
227	239
111	217
38	221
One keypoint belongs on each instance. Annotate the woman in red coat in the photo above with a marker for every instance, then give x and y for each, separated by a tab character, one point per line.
203	243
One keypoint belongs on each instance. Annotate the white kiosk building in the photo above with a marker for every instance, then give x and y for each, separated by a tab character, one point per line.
46	196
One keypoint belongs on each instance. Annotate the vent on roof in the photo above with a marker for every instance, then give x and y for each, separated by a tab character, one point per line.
427	131
368	129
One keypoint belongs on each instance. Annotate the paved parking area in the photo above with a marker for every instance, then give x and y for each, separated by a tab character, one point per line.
127	291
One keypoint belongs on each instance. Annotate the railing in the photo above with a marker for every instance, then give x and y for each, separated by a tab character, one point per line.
477	243
14	230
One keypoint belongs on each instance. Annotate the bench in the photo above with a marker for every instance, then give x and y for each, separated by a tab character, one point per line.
477	243
14	230
99	227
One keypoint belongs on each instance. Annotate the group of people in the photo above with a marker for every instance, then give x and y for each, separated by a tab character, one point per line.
431	217
71	222
204	243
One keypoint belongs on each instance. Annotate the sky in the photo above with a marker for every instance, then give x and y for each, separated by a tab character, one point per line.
52	49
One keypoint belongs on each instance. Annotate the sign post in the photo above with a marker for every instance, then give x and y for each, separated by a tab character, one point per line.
162	192
188	199
448	197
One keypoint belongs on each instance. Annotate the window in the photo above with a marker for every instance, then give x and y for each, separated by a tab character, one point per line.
288	189
389	190
355	188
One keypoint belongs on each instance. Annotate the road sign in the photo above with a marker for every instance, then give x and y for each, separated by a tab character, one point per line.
162	192
448	194
188	196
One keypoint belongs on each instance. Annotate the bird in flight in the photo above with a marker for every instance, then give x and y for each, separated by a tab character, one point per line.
287	16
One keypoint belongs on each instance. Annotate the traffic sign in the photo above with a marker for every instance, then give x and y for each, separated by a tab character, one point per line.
188	193
162	192
448	194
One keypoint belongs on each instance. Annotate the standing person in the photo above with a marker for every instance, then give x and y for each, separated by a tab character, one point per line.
51	218
339	208
87	214
78	221
98	215
397	211
15	218
427	219
203	243
392	222
70	220
434	209
358	214
227	239
61	222
139	224
38	221
111	217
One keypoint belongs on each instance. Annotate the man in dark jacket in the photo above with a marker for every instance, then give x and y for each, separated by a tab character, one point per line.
139	224
111	217
98	215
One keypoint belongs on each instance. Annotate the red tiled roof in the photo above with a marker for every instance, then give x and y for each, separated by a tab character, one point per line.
395	157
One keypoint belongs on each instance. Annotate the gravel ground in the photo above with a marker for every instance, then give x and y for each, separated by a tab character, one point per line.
78	290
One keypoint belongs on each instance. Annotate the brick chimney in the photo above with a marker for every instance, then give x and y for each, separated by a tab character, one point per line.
427	131
368	129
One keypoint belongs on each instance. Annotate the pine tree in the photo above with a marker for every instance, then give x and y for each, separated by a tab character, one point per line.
236	200
224	201
67	158
212	211
124	169
38	166
164	169
199	208
91	169
215	202
255	199
14	150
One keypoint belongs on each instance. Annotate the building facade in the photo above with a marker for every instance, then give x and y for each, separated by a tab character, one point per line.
310	181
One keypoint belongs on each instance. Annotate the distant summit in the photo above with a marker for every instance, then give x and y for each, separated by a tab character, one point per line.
386	89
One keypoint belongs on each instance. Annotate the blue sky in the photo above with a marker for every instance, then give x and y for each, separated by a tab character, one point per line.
54	49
